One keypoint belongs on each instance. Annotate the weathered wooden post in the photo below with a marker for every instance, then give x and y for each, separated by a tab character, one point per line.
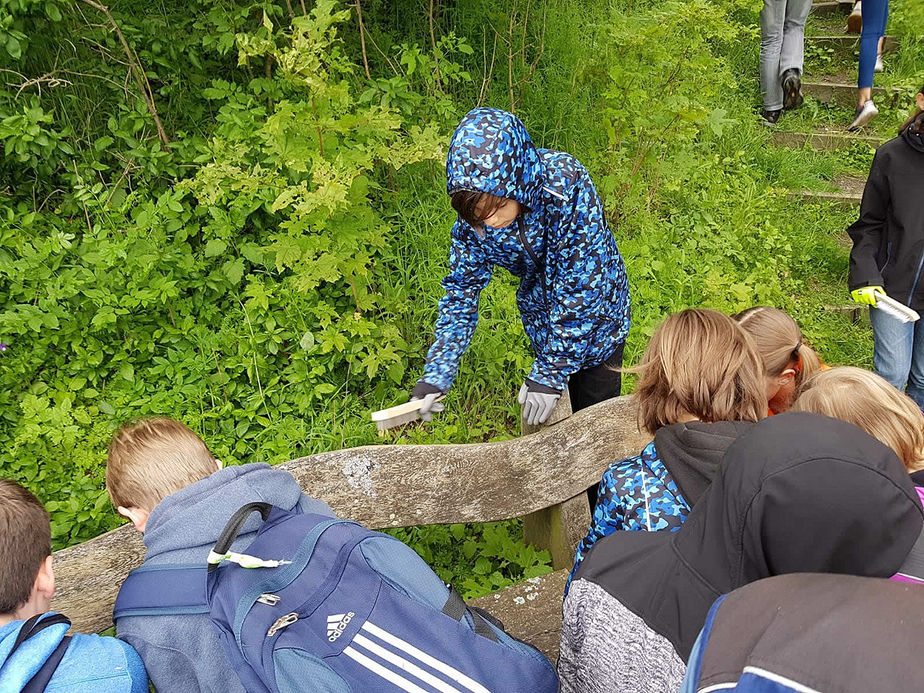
558	528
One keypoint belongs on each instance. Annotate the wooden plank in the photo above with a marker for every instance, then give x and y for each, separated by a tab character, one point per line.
823	141
837	7
846	44
398	486
845	95
531	610
841	199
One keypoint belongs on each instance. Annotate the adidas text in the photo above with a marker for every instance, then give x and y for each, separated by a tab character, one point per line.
336	624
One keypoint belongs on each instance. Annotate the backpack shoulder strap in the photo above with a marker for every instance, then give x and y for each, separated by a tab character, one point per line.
163	590
39	682
31	628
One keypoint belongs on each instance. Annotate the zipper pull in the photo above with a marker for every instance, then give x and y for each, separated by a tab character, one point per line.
271	599
280	623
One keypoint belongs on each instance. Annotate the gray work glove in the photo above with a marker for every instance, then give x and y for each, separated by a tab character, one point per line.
429	394
537	402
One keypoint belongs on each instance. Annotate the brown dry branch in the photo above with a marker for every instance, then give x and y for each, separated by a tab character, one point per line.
436	57
362	37
489	73
136	70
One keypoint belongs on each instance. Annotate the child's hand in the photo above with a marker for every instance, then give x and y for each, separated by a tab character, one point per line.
867	295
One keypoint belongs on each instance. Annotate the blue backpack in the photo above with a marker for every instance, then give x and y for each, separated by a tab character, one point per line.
326	605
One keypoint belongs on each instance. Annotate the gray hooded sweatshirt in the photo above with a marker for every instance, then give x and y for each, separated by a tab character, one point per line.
183	653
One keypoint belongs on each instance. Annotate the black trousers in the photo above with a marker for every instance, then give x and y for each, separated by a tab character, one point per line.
598	383
593	385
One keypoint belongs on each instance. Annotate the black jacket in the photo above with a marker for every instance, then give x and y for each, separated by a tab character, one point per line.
888	238
798	492
816	632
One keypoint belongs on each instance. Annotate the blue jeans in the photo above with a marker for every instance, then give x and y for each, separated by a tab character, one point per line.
875	16
898	352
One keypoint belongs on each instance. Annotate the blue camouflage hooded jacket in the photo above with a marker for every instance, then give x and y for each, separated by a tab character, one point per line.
573	295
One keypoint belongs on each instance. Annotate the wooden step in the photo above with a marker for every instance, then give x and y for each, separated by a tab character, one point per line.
848	192
852	311
840	199
847	44
823	141
842	94
843	7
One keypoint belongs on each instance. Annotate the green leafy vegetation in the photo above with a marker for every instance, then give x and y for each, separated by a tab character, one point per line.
233	213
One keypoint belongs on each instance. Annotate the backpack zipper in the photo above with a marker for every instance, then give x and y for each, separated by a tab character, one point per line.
271	599
280	623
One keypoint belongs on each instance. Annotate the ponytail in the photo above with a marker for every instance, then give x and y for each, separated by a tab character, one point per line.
779	341
810	364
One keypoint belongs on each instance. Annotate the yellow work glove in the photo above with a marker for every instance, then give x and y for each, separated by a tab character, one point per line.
867	294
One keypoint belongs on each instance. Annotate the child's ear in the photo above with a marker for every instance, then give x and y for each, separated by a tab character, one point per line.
138	516
218	465
45	580
789	374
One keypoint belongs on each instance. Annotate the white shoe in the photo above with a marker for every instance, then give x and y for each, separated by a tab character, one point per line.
880	66
864	114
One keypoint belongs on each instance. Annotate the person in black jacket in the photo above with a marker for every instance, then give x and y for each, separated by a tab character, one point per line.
888	254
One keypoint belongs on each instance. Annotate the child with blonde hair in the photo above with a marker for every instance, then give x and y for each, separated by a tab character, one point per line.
163	477
787	360
701	387
868	401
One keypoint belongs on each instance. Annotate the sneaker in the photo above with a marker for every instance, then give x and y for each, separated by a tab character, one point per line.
770	117
880	66
855	21
863	115
792	89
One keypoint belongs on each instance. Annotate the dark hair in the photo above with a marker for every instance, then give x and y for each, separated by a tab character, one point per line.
25	542
465	203
916	119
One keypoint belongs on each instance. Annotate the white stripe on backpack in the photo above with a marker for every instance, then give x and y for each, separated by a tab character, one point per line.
386	674
404	665
395	659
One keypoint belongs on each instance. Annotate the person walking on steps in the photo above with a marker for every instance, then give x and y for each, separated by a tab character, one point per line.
888	253
782	50
873	17
536	213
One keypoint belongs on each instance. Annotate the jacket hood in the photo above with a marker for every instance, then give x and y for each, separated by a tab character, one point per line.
202	510
16	670
808	629
914	134
692	452
491	152
799	492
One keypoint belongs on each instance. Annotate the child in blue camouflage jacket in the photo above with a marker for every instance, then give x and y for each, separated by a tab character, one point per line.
701	387
536	213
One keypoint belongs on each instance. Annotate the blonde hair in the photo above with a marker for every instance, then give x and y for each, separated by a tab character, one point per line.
152	458
866	400
779	341
699	363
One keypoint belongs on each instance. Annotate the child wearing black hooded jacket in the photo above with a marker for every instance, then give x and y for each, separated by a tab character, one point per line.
888	254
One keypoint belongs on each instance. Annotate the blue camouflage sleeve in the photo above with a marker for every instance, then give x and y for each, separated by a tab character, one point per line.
576	259
607	516
469	273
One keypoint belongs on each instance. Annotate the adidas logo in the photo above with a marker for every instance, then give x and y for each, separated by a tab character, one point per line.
336	624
